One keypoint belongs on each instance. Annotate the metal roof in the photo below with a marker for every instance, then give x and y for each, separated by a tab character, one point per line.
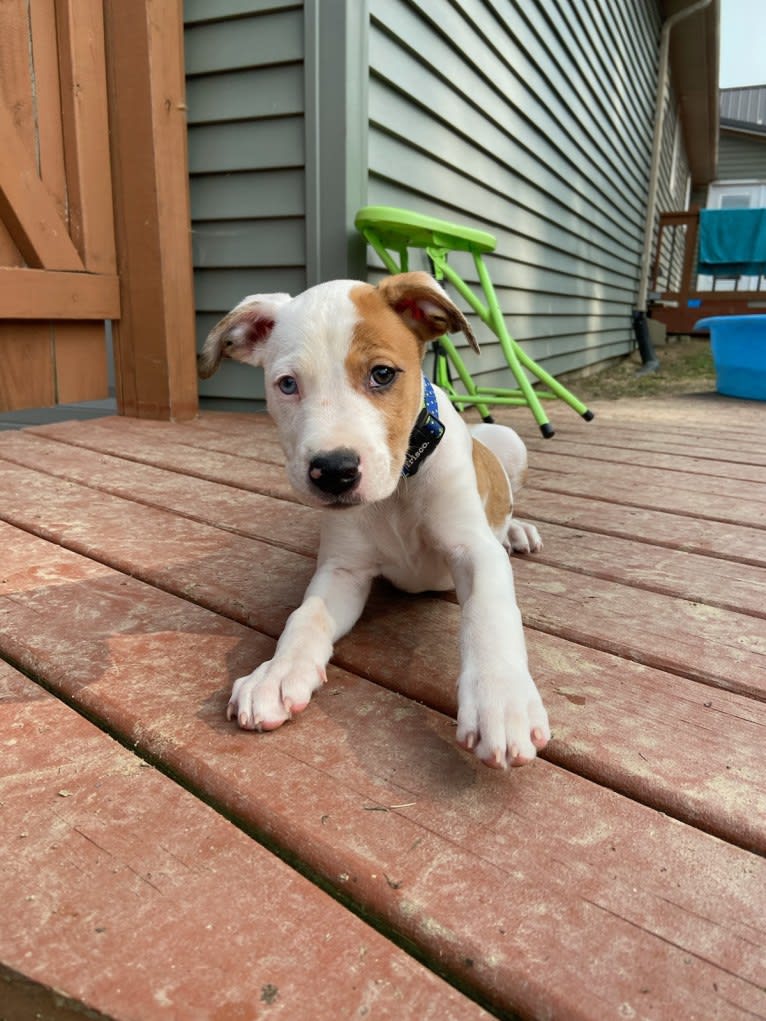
744	107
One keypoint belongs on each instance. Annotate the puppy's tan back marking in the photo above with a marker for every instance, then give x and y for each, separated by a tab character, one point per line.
494	488
381	338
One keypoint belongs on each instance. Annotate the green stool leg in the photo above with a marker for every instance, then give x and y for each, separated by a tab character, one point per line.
374	241
438	259
553	384
510	349
441	375
556	388
493	317
449	351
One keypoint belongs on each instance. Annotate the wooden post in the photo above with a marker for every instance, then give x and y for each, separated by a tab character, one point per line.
689	275
155	358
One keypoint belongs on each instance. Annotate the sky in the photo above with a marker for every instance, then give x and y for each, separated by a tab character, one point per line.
743	43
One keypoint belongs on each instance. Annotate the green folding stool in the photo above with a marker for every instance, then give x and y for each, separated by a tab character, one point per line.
391	232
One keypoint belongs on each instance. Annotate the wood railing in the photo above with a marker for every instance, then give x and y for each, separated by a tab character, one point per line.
679	296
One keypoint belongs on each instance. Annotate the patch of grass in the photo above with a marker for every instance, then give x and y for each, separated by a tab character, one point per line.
686	366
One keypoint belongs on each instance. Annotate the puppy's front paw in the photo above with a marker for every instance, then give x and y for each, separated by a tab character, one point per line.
523	537
503	721
272	693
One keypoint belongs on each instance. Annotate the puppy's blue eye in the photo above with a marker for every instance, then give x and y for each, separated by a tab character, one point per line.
288	385
382	376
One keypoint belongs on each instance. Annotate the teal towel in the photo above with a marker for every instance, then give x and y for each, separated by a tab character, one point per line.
732	242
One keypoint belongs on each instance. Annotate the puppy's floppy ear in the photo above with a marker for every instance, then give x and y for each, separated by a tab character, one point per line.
424	307
242	333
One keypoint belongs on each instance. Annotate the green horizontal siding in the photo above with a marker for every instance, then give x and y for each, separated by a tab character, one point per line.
533	121
276	38
252	244
246	99
248	195
741	159
267	144
245	95
200	11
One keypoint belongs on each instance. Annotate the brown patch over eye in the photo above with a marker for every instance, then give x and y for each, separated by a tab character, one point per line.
381	338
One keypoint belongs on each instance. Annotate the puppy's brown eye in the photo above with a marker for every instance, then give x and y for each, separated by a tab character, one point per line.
382	376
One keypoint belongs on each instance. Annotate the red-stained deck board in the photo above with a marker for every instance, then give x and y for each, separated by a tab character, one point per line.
686	492
662	738
410	644
733	501
730	463
640	424
225	506
296	527
540	842
620	470
125	894
738	543
728	585
250	436
698	640
716	646
542	892
137	445
694	416
656	492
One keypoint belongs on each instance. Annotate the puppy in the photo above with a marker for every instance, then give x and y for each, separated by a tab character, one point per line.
406	490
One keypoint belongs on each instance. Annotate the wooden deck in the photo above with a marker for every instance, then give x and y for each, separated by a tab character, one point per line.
356	863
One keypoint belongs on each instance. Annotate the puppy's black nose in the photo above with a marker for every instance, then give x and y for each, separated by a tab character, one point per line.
335	471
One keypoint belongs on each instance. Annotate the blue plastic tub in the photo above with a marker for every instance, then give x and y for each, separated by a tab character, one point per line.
739	354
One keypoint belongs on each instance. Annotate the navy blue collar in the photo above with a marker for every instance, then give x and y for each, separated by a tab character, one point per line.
426	433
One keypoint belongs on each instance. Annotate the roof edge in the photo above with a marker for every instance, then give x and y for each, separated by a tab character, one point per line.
732	127
694	65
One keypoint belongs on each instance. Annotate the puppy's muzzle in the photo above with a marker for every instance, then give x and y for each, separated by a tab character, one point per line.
335	472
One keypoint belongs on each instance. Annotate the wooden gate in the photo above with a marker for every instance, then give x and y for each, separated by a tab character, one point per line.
58	280
94	205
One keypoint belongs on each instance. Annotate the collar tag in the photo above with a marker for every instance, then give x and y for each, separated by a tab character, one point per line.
426	433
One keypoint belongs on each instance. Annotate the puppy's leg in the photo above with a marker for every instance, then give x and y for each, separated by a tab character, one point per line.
509	449
501	716
264	699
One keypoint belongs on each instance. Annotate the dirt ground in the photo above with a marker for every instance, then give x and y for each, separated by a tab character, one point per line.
686	366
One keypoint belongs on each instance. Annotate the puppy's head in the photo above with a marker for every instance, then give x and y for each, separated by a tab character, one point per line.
342	375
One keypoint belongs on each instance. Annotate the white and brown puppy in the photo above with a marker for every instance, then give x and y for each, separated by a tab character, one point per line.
408	493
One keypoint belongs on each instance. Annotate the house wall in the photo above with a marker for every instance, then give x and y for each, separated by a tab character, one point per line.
247	156
675	180
277	98
741	158
531	119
